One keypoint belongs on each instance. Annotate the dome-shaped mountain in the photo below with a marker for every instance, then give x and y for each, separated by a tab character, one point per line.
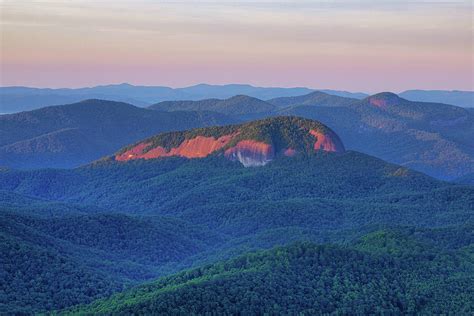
384	100
253	144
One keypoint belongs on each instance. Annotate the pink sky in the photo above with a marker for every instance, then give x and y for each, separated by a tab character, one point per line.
365	46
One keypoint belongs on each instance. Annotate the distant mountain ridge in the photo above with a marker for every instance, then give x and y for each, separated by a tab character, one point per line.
241	105
454	97
433	138
16	99
314	98
71	135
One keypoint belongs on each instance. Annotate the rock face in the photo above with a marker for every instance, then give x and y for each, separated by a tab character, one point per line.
384	100
252	144
251	153
327	141
198	147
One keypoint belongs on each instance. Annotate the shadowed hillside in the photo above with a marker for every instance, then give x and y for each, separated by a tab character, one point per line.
71	236
75	134
241	105
305	278
429	137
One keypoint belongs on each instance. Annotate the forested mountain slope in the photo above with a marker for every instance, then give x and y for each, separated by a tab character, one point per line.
243	106
17	99
433	138
430	137
189	212
367	278
253	144
106	226
75	134
52	262
314	98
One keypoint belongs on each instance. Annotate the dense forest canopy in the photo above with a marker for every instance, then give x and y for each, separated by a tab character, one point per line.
381	273
110	226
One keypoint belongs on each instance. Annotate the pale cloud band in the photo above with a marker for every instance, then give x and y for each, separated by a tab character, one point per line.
355	45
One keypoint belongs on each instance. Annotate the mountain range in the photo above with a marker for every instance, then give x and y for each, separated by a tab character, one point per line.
433	138
238	205
242	106
17	99
455	97
187	207
112	225
75	134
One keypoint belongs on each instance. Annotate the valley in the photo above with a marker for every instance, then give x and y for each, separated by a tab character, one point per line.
121	223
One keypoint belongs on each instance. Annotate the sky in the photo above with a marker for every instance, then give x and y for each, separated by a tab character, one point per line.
366	45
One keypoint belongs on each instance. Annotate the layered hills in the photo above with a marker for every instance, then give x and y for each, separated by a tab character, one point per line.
75	134
430	137
16	99
177	223
253	144
71	236
433	138
314	98
52	262
384	272
240	105
455	97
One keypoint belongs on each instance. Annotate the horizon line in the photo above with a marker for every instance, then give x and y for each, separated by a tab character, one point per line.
221	85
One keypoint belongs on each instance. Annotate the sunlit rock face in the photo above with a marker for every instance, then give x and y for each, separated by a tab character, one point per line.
133	153
384	100
251	153
252	144
327	141
198	147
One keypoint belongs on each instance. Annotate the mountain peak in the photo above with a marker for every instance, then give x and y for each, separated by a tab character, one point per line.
236	105
318	93
384	99
242	97
315	98
253	144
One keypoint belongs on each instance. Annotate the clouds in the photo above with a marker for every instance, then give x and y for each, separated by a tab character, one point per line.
216	38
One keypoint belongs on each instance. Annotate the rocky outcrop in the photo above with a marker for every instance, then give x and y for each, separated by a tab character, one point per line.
251	153
198	147
135	152
327	141
384	100
252	144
